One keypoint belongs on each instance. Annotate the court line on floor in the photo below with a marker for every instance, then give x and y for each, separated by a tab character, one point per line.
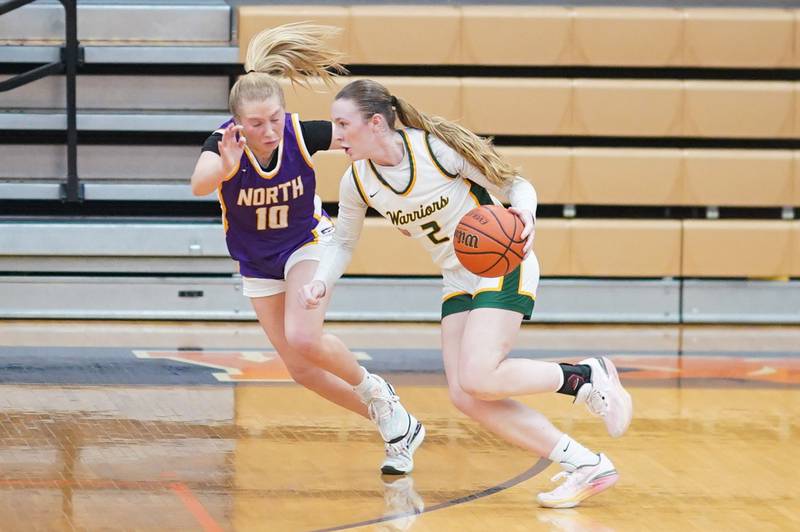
534	470
195	507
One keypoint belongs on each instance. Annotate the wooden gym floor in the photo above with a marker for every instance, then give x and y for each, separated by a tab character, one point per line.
191	426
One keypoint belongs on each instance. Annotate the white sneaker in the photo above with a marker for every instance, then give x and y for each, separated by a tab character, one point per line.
403	504
400	454
605	397
401	431
385	410
581	483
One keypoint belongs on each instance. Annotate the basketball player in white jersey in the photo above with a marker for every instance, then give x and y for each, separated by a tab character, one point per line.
424	178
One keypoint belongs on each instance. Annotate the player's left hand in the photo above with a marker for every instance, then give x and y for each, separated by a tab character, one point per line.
529	229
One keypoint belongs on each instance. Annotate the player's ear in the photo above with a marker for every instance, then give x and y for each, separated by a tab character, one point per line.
377	121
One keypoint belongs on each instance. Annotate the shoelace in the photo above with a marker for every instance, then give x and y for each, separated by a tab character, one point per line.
597	403
380	408
396	449
571	477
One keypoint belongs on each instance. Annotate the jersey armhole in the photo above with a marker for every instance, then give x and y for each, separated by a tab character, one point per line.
358	185
301	142
435	160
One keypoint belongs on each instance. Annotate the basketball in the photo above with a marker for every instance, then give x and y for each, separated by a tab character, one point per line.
488	241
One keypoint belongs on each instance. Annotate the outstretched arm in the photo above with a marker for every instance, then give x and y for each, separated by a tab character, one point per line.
338	252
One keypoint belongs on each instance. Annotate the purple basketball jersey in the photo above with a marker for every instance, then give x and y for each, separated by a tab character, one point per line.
269	215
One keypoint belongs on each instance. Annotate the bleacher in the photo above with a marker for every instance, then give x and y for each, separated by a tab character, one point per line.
663	143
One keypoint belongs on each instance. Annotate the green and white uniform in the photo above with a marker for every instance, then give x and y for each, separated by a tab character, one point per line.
425	196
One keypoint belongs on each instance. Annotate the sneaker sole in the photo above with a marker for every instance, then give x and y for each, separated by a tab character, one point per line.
416	441
611	371
596	486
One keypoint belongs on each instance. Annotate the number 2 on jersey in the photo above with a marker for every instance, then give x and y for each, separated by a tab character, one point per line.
276	217
433	229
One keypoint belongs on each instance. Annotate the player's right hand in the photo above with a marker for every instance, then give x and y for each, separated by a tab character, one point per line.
231	147
311	294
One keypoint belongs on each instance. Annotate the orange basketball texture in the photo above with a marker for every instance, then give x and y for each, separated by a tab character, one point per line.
488	241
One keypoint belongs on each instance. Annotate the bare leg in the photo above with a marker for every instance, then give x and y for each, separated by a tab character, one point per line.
270	313
484	370
304	330
511	420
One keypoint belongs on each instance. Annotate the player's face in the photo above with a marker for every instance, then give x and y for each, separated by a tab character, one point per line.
263	122
355	135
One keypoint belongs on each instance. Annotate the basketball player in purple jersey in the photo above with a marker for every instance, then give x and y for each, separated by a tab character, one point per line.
259	163
424	177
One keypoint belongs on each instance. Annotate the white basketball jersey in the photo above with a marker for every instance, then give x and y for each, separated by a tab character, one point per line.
420	197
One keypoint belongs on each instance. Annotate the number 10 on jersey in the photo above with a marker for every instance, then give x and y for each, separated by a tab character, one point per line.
275	217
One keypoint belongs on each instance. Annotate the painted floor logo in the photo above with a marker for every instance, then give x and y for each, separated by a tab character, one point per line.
235	366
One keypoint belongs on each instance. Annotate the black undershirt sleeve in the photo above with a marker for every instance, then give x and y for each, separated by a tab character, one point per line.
317	134
211	143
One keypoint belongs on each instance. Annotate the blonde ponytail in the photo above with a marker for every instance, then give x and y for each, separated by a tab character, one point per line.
372	98
295	51
477	150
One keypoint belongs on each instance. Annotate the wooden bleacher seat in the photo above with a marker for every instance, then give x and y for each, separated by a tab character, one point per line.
625	248
551	35
627	108
746	178
740	109
739	37
795	261
531	35
523	106
627	36
634	108
329	167
553	247
626	176
737	248
397	35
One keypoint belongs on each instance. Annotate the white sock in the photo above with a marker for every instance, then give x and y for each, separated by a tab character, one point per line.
364	389
571	454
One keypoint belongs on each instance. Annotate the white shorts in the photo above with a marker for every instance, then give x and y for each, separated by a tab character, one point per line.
255	287
463	290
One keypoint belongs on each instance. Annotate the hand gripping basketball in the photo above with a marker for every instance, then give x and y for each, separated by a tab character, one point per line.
488	241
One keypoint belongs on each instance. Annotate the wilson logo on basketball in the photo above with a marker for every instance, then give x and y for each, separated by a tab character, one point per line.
478	218
466	239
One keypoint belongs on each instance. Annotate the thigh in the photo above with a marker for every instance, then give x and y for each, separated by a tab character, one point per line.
311	320
489	334
452	337
270	313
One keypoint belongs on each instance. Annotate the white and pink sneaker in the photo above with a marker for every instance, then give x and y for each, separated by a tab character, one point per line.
605	397
581	483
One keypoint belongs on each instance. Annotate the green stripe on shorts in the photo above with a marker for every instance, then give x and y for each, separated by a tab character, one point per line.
507	298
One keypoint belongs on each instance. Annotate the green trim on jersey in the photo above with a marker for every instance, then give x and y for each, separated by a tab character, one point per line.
480	193
357	183
433	157
507	298
413	177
